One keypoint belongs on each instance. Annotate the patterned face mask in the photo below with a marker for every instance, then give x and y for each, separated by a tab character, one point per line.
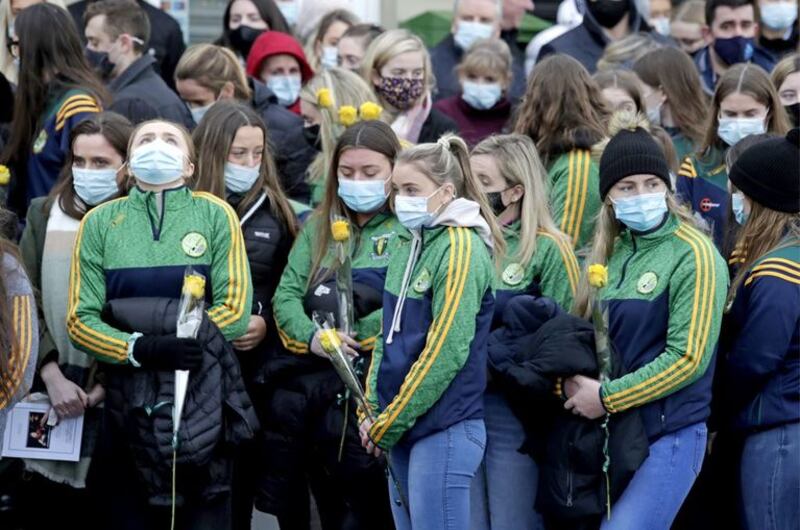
401	92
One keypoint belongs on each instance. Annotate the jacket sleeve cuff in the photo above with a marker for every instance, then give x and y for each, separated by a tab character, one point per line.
131	342
604	401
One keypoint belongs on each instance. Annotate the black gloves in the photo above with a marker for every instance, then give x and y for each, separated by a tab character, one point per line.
167	352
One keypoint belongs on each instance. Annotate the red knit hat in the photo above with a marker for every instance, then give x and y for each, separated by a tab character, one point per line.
272	43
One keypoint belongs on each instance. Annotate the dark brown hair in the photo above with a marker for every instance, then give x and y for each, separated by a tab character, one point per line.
213	139
122	17
563	108
372	135
673	71
269	13
116	130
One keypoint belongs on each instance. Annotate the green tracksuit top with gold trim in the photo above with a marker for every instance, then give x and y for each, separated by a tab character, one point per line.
552	272
574	195
374	248
665	299
129	247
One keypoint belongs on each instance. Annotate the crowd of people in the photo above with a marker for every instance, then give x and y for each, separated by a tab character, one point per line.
565	271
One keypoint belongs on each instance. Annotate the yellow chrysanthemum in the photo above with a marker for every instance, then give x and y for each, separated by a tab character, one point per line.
329	340
598	275
370	111
5	175
195	286
324	98
340	230
347	115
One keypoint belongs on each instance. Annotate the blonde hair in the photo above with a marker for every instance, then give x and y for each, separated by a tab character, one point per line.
519	164
785	67
7	66
447	161
626	51
346	88
390	44
488	56
213	66
691	12
319	31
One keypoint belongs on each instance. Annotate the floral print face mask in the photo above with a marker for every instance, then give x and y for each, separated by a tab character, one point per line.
401	92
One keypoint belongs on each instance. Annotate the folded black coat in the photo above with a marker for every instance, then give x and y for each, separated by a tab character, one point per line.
537	345
217	413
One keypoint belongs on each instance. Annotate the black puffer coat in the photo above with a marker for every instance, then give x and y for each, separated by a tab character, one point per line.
217	413
537	345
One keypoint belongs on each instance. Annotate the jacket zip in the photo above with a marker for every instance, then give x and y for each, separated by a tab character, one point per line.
157	231
625	265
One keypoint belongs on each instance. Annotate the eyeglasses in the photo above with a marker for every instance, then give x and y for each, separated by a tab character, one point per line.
13	47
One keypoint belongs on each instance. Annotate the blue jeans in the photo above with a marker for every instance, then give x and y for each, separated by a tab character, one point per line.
435	474
771	478
504	489
659	487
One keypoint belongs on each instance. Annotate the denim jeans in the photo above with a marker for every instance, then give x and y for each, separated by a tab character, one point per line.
771	479
659	487
504	488
435	474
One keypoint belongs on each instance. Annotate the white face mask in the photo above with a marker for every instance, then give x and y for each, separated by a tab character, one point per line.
285	87
661	25
199	112
468	32
289	11
157	163
240	179
412	212
330	57
731	130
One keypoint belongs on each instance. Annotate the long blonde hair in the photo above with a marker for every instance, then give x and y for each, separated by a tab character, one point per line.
448	161
346	88
519	163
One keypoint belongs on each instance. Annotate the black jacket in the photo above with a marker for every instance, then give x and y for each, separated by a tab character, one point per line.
291	150
140	95
537	345
435	126
217	414
587	41
166	38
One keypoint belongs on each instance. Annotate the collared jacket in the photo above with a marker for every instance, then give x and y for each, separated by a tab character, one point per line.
702	59
762	366
574	196
703	184
431	372
665	298
129	247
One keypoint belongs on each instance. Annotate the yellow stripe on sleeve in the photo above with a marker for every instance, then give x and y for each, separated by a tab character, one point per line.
565	214
762	274
74	101
583	190
569	260
699	327
289	343
21	322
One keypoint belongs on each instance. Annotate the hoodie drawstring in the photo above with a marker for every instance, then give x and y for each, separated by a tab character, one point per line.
416	245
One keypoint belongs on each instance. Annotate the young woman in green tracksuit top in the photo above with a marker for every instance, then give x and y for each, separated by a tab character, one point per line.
665	295
357	191
564	113
428	373
539	261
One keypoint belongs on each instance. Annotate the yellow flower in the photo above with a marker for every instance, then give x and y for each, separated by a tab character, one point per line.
5	175
195	286
324	98
370	111
598	275
329	340
340	230
347	115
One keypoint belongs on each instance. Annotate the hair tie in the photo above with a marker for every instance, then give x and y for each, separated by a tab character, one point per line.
444	143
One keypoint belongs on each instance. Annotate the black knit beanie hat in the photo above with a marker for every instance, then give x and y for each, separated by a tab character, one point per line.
631	153
769	173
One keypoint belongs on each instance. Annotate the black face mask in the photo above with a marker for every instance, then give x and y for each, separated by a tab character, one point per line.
100	62
243	37
794	113
608	13
496	202
311	134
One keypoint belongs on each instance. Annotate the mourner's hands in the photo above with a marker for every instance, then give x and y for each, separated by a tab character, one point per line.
349	345
583	395
256	331
68	399
366	443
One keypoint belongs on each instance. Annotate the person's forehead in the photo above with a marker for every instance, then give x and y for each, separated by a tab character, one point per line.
408	60
480	7
727	13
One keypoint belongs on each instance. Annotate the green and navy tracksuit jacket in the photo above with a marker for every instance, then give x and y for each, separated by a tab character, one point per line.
684	147
552	272
374	248
125	248
431	372
51	140
665	298
574	195
762	367
703	184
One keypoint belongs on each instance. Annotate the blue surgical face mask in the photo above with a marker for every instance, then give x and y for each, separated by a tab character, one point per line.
240	179
95	186
731	130
661	25
362	196
481	96
157	163
285	87
412	212
778	15
737	204
330	57
468	32
641	213
199	112
289	11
